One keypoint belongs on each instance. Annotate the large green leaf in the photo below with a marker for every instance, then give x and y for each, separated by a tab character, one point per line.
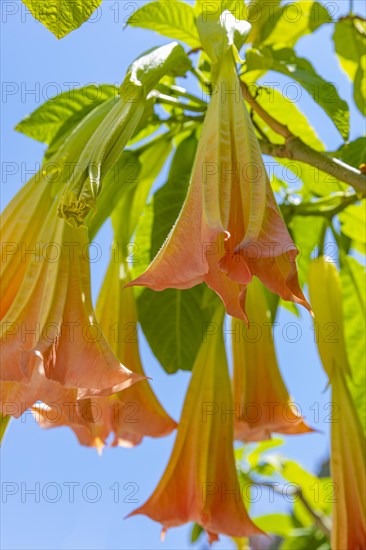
173	322
57	115
350	46
62	16
289	114
173	19
150	67
353	287
324	93
294	21
259	15
359	90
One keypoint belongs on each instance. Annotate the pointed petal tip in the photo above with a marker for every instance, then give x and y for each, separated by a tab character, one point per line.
163	534
99	445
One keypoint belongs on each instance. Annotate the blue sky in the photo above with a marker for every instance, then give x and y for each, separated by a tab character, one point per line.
35	67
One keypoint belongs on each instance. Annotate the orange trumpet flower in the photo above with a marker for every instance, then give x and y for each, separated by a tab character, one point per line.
132	413
348	469
50	315
260	395
200	483
347	461
230	227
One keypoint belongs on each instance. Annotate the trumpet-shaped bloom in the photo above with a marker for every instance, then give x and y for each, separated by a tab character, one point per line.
230	227
20	225
17	397
200	482
51	317
133	412
326	299
260	396
348	469
348	465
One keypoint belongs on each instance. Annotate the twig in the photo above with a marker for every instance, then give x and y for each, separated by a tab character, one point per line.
277	126
312	208
294	148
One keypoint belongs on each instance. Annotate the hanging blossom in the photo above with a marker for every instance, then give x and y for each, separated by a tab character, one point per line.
200	483
48	328
230	227
347	459
262	402
132	413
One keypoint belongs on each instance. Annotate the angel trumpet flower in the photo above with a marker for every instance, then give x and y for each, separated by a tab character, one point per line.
260	394
348	467
23	218
51	318
132	413
230	227
200	483
347	463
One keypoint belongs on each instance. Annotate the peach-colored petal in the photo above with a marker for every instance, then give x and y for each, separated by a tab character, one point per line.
200	482
348	469
230	227
261	399
134	412
52	317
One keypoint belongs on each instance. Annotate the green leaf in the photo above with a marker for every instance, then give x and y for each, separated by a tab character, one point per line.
359	90
319	493
196	532
353	288
349	43
353	223
173	322
254	456
61	113
288	113
4	423
350	46
324	93
62	16
276	524
306	232
151	66
206	9
353	153
173	19
259	15
294	21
